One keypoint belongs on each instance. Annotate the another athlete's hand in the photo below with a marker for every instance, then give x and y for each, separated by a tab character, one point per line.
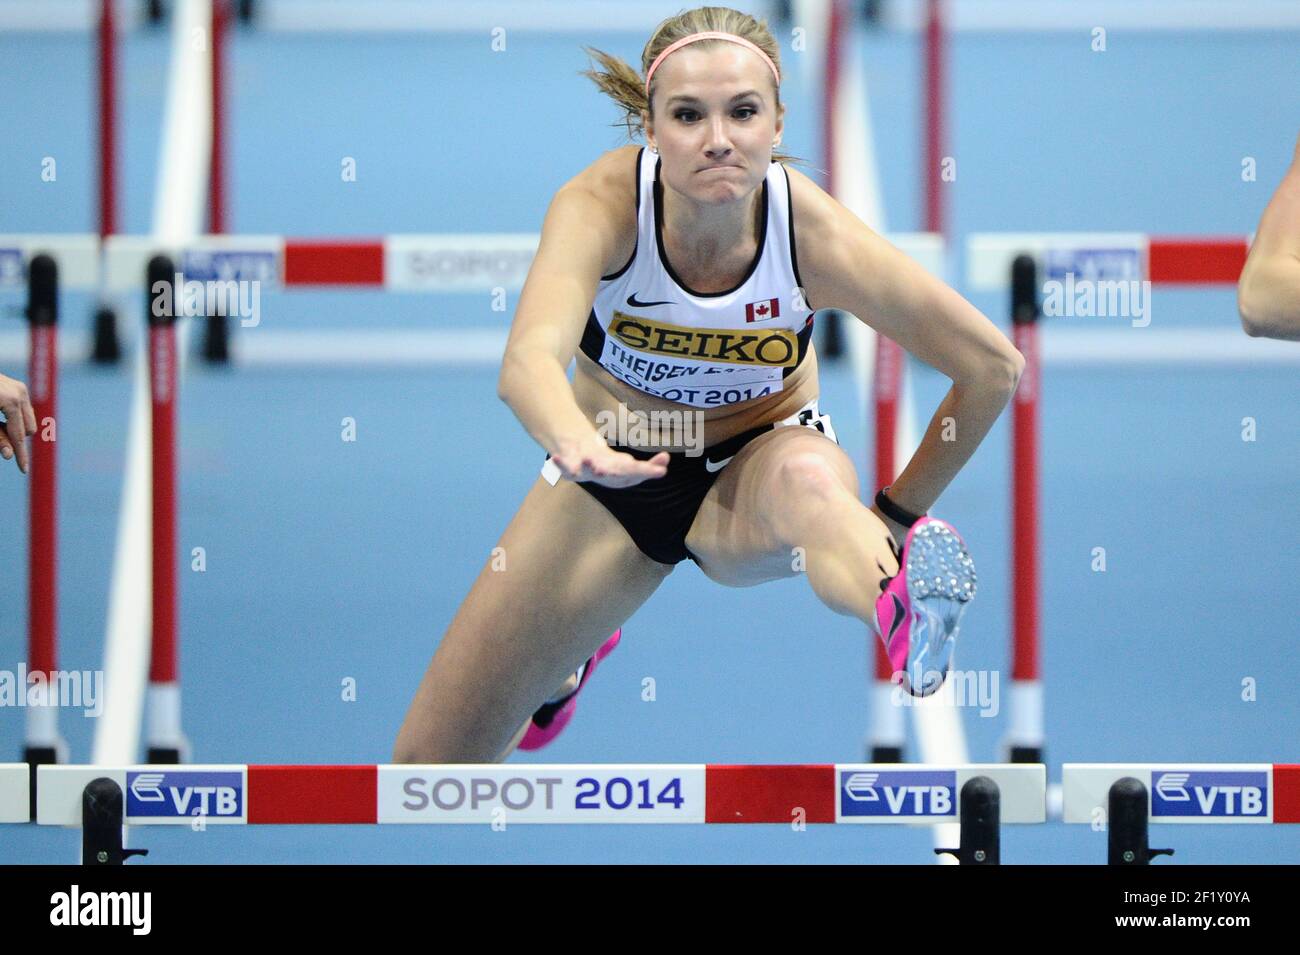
594	460
20	420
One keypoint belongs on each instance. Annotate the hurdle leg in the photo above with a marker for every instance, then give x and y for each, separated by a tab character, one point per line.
1126	824
981	815
101	824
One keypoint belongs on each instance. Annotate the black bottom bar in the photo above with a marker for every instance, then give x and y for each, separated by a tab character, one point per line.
163	756
298	903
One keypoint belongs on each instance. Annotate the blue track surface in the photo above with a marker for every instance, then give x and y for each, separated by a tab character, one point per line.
328	560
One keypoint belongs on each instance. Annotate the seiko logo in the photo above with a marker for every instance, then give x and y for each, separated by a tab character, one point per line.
776	347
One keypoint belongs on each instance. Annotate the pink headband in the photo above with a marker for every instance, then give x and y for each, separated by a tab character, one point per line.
710	35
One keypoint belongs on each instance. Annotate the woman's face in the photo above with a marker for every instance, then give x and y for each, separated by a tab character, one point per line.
715	123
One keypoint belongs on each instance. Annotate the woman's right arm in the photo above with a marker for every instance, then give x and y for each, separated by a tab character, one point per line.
579	236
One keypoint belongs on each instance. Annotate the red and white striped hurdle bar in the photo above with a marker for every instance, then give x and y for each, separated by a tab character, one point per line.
537	793
1213	793
1162	260
399	263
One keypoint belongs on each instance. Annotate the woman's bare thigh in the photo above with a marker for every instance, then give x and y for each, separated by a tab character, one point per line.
564	575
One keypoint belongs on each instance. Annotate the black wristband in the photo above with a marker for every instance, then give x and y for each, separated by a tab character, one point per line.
893	511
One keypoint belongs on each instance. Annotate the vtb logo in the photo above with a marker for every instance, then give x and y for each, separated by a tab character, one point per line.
176	794
1231	793
898	793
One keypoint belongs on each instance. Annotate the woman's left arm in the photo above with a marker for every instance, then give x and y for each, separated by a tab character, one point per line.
845	265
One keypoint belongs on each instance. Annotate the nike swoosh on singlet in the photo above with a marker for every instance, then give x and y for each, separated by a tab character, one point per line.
712	466
631	300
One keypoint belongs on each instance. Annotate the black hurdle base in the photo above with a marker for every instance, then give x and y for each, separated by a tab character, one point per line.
1025	754
885	754
981	817
163	756
101	824
106	348
216	340
1126	824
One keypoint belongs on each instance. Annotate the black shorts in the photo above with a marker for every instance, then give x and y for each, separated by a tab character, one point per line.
658	513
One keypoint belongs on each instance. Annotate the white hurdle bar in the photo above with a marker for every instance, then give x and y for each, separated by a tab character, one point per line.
15	792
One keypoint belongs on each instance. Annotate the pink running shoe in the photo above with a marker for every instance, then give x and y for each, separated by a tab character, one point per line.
919	609
553	716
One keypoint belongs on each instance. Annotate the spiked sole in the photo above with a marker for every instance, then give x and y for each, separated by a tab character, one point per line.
941	582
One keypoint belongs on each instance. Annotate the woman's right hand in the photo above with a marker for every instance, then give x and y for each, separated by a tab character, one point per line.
594	460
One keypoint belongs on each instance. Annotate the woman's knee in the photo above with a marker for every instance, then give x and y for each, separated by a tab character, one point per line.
806	486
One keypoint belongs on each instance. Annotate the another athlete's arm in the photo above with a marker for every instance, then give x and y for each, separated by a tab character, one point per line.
20	420
1268	294
579	236
844	264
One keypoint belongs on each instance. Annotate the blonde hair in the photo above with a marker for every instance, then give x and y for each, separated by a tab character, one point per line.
626	87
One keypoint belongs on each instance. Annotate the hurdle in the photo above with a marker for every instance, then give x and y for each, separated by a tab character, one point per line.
42	743
1167	262
1106	263
1125	797
101	798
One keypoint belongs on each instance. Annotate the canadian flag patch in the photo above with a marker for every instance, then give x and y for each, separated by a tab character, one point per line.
762	311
